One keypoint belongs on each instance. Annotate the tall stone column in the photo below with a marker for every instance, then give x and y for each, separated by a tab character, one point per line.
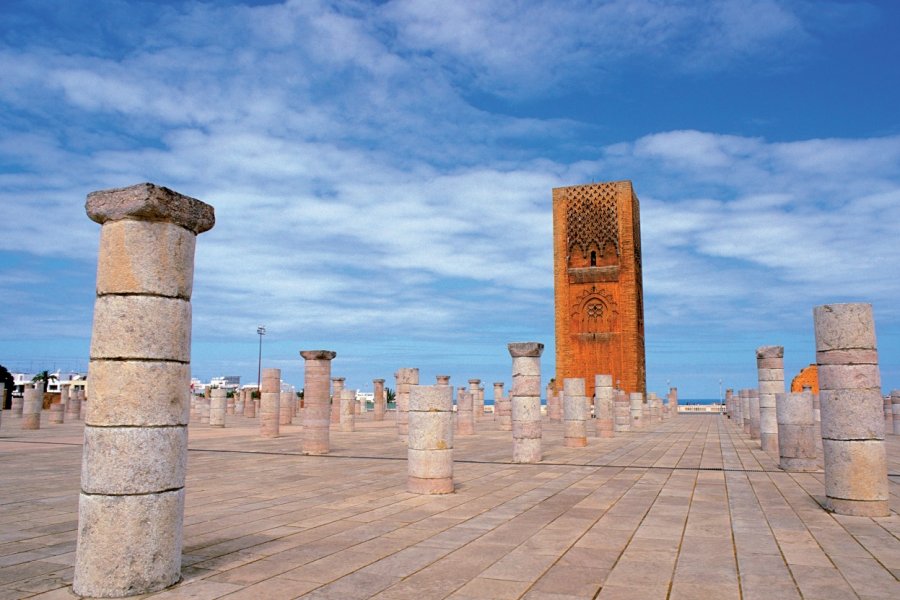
502	408
405	378
895	411
477	410
637	409
754	413
554	406
574	409
729	403
621	412
673	401
205	409
796	431
655	408
430	447
250	405
270	404
131	507
217	408
852	421
465	412
604	405
337	386
32	404
286	407
526	401
770	370
348	417
317	413
745	410
378	399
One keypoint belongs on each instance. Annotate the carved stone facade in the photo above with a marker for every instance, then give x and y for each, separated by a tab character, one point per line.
598	284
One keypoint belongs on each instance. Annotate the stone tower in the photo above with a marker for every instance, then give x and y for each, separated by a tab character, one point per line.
598	285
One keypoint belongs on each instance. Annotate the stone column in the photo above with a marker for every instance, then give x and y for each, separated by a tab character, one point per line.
405	378
888	415
554	406
205	409
852	421
316	417
621	412
286	407
229	404
73	405
604	405
745	410
502	407
895	404
63	397
637	409
82	404
574	409
239	404
430	446
443	379
270	404
348	417
526	401
32	404
770	370
729	403
379	399
131	507
465	415
754	413
654	405
16	406
477	410
218	405
337	385
796	431
56	414
250	405
673	401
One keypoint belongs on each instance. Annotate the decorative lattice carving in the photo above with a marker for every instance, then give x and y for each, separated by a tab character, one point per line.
592	218
594	311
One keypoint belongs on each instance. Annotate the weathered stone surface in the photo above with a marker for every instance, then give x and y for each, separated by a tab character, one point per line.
416	485
895	411
142	327
379	402
574	409
529	349
465	415
138	393
848	377
855	470
150	202
286	407
796	432
56	414
32	404
348	417
430	439
133	460
844	327
140	257
217	404
128	545
316	392
405	378
849	414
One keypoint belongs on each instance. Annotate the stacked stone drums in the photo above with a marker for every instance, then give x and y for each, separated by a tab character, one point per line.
348	415
317	412
337	386
131	507
378	396
574	409
32	404
430	440
217	406
405	378
270	403
502	408
465	415
526	401
637	409
770	372
621	411
603	405
796	431
852	418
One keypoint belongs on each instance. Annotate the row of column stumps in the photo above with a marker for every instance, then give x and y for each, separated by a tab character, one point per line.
131	505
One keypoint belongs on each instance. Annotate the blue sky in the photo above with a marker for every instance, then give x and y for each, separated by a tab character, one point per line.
382	173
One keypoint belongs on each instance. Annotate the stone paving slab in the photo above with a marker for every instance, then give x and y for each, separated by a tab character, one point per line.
691	508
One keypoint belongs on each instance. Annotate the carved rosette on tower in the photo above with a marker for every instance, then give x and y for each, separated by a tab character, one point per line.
598	284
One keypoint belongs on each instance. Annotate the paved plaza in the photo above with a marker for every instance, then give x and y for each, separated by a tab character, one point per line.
690	508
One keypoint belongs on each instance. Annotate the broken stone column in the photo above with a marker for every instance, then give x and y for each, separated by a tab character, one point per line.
554	406
348	417
16	406
745	409
239	405
229	404
286	407
637	410
603	405
270	404
654	406
754	413
218	404
503	406
73	405
770	370
442	379
56	414
205	409
337	386
465	414
250	405
796	431
621	412
430	447
574	409
406	377
526	401
895	411
316	414
378	399
63	398
729	403
852	421
673	401
33	403
131	507
477	410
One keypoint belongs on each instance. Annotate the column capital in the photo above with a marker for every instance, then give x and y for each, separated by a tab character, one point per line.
150	202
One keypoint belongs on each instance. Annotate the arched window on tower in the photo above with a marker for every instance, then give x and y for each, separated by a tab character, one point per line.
593	258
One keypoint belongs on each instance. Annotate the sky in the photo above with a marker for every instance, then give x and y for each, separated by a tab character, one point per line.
381	173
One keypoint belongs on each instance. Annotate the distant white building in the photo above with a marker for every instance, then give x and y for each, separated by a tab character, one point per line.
57	380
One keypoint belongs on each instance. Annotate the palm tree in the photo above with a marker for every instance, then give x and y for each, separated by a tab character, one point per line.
389	396
44	378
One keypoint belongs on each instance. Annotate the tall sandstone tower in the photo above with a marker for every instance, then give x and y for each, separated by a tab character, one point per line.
598	285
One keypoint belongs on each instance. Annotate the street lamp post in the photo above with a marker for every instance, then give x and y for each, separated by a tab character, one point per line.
261	330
